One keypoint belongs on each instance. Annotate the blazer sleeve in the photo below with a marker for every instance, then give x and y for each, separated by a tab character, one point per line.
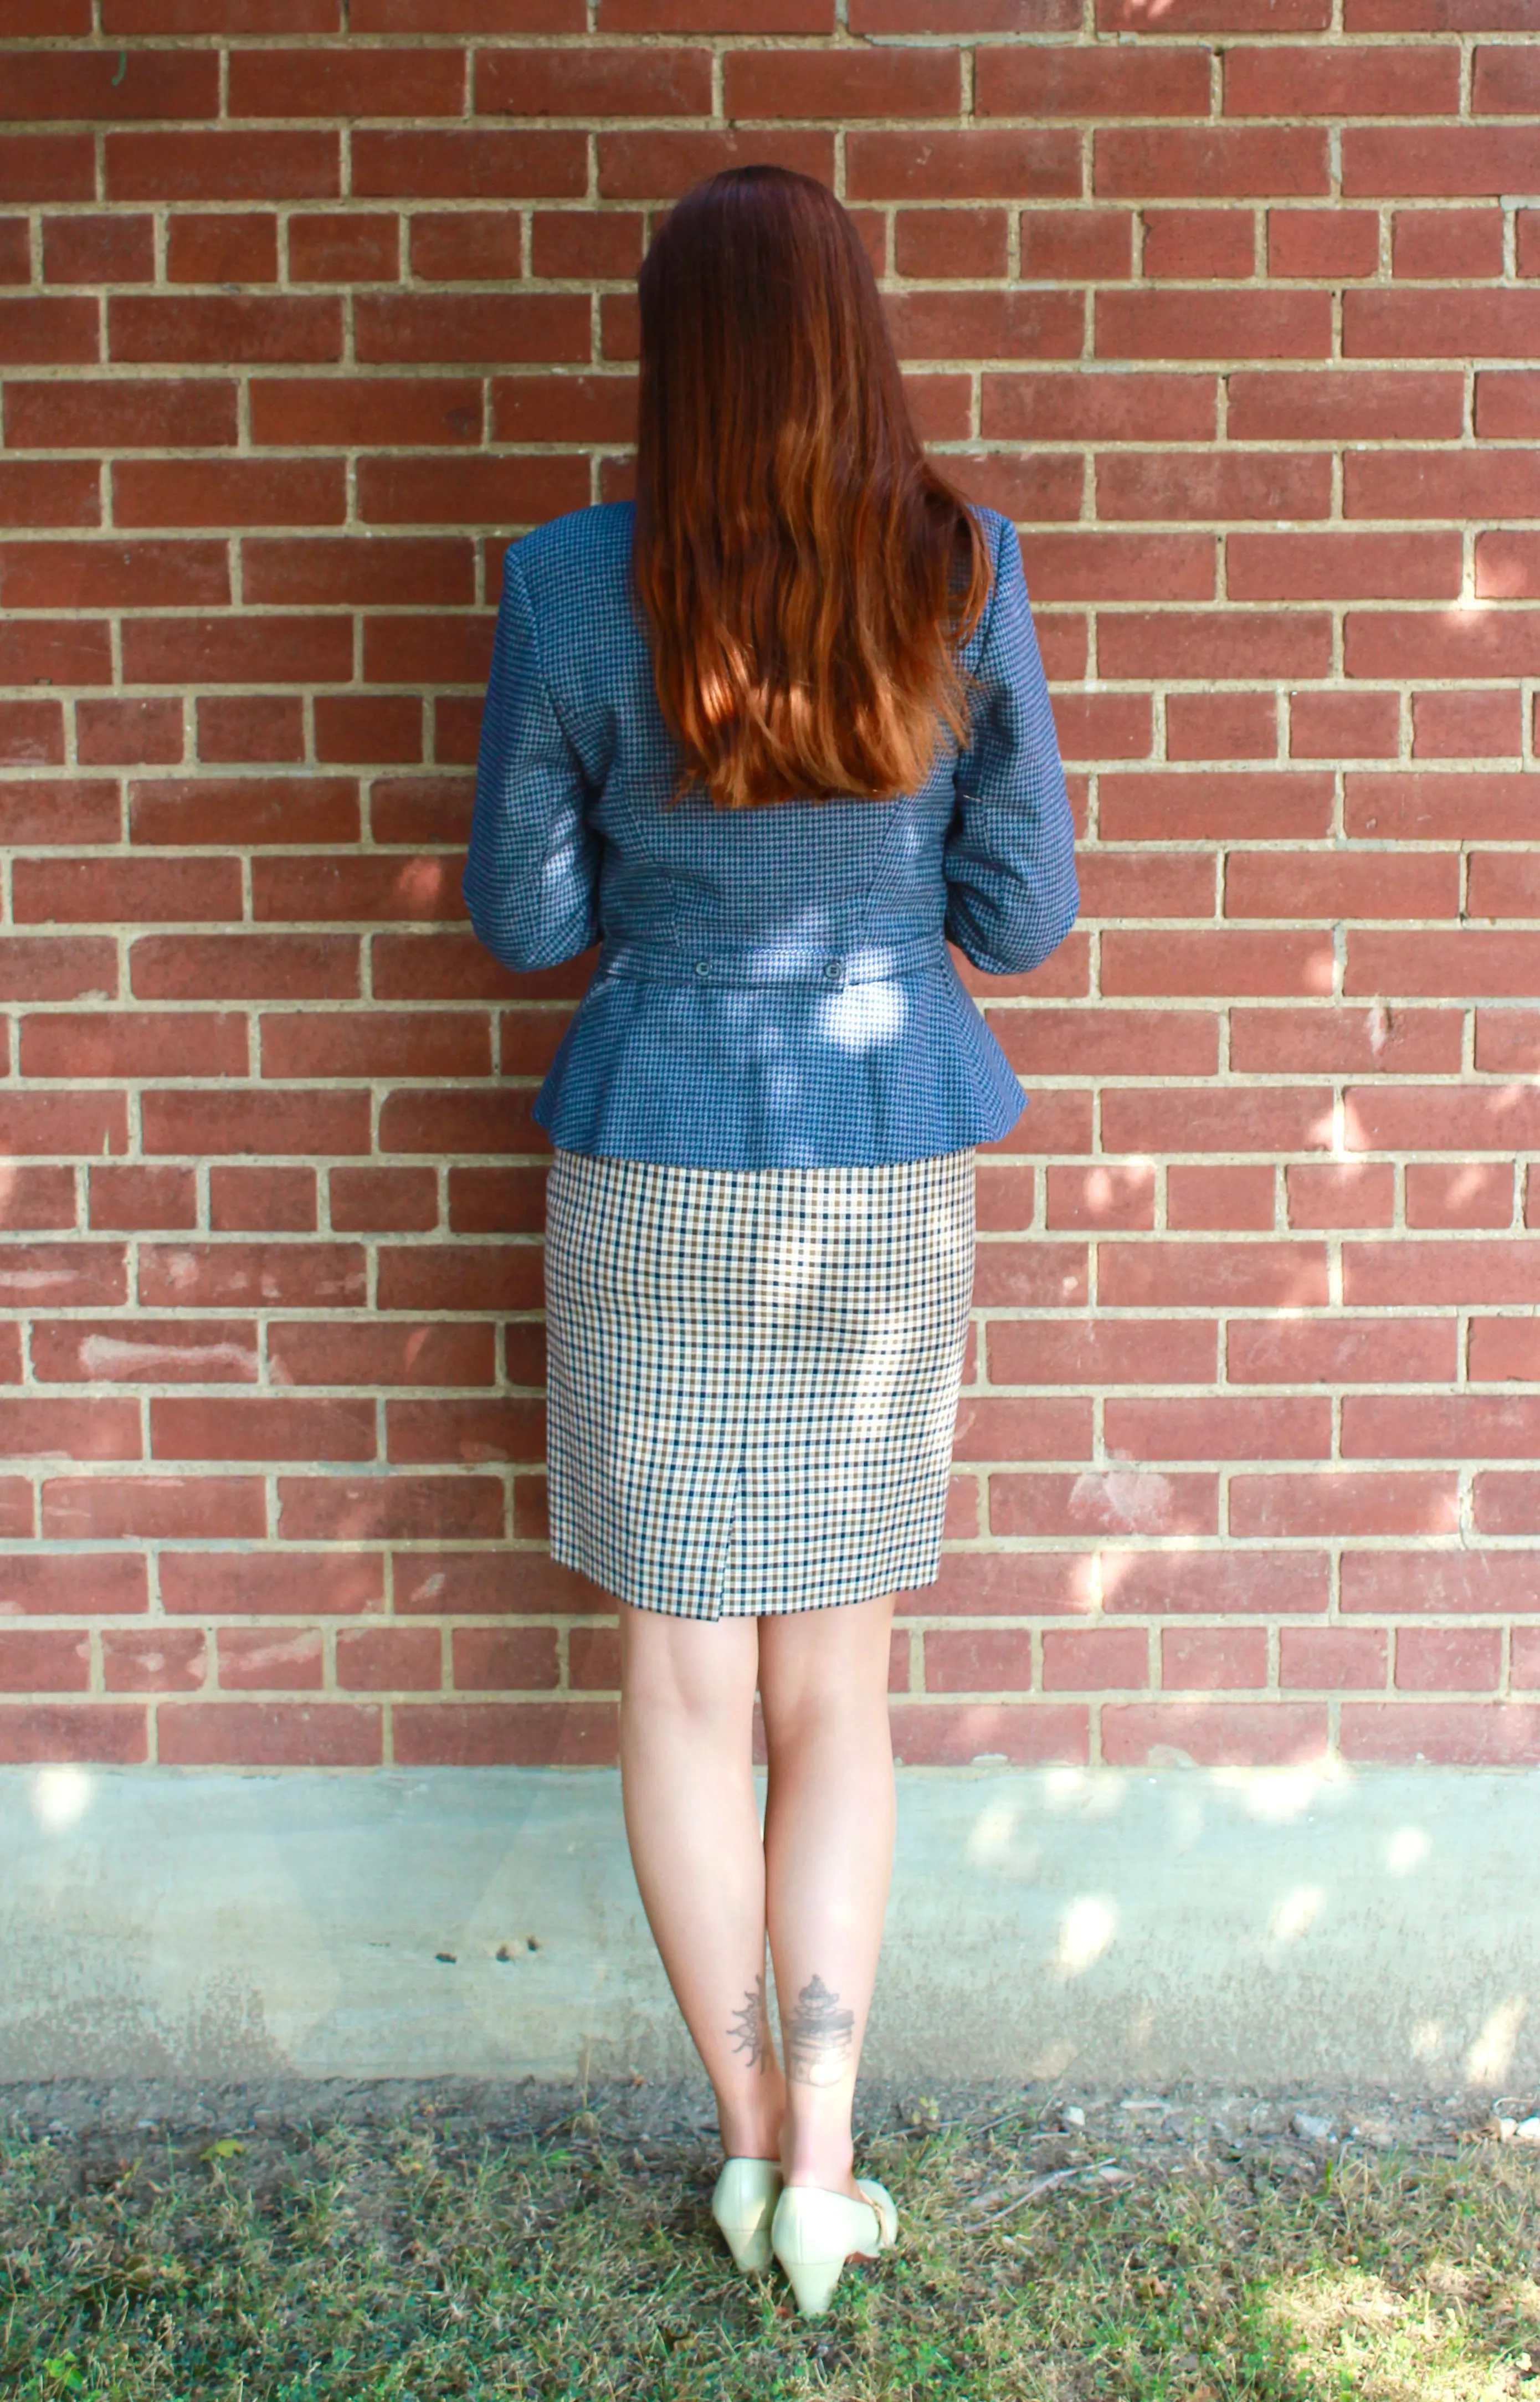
531	875
1009	859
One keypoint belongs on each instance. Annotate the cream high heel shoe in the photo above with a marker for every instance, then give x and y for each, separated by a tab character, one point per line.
742	2202
814	2232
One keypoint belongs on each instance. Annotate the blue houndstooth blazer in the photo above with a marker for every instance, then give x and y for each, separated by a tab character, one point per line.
774	987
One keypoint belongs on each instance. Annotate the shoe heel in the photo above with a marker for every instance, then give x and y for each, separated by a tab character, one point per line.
743	2204
813	2282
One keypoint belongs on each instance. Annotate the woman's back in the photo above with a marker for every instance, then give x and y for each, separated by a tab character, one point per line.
775	987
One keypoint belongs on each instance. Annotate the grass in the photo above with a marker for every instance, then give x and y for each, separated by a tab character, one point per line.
408	2261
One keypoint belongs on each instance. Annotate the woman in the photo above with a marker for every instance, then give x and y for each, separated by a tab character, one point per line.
774	731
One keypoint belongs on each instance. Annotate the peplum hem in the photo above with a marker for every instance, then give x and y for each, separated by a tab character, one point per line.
895	1068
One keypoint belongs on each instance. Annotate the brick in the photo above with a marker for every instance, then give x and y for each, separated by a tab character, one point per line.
74	1044
472	246
270	1735
1213	1734
79	1585
1099	1503
364	411
89	1730
168	1660
123	414
1100	1352
1475	1195
1343	724
1236	1275
1102	725
1443	162
103	1509
1428	1426
1507	1040
135	1198
387	1659
266	726
382	1200
1073	245
1346	566
576	242
1094	1660
504	1659
1323	243
98	574
1343	1502
1507	404
339	1508
489	1200
1212	325
278	1659
1507	566
1218	1659
1429	808
1102	404
1227	1581
255	651
988	163
1340	884
1225	645
1340	1194
119	249
1440	325
1087	83
953	325
1426	1272
38	1197
267	809
1445	243
221	329
1471	1733
1231	1427
228	491
207	1351
237	1276
934	244
206	1121
344	248
1146	884
1198	245
482	1734
1507	1504
1342	81
1221	726
1472	962
262	1200
1441	484
57	967
259	1427
227	248
1475	644
408	1354
1339	1659
220	15
252	1583
486	163
1214	485
126	733
347	83
36	167
1466	725
1232	1200
1345	404
1221	961
103	892
31	734
1447	1660
1102	1198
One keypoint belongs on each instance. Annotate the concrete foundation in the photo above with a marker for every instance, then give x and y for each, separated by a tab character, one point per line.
1267	1928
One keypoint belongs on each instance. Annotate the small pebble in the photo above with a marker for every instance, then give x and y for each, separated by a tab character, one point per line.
1315	2131
1074	2116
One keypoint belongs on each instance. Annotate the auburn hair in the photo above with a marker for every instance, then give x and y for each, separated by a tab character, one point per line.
803	572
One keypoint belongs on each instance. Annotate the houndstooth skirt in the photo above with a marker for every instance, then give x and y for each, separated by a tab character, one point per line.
753	1377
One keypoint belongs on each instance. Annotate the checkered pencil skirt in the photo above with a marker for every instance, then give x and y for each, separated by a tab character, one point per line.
753	1377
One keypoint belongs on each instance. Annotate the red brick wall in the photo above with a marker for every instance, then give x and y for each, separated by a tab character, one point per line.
1229	303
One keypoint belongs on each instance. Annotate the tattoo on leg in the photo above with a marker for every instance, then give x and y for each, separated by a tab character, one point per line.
820	2037
749	2028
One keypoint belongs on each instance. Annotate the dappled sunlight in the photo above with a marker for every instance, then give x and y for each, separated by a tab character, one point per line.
59	1797
1354	2335
1087	1930
1491	2056
861	1015
1426	2041
1282	1795
1408	1848
1295	1914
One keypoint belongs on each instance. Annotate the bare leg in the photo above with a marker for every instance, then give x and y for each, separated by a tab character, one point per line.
829	1852
692	1820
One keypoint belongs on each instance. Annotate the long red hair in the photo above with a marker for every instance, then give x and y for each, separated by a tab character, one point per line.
804	572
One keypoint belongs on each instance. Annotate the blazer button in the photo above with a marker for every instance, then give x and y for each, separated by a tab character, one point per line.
703	967
833	970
